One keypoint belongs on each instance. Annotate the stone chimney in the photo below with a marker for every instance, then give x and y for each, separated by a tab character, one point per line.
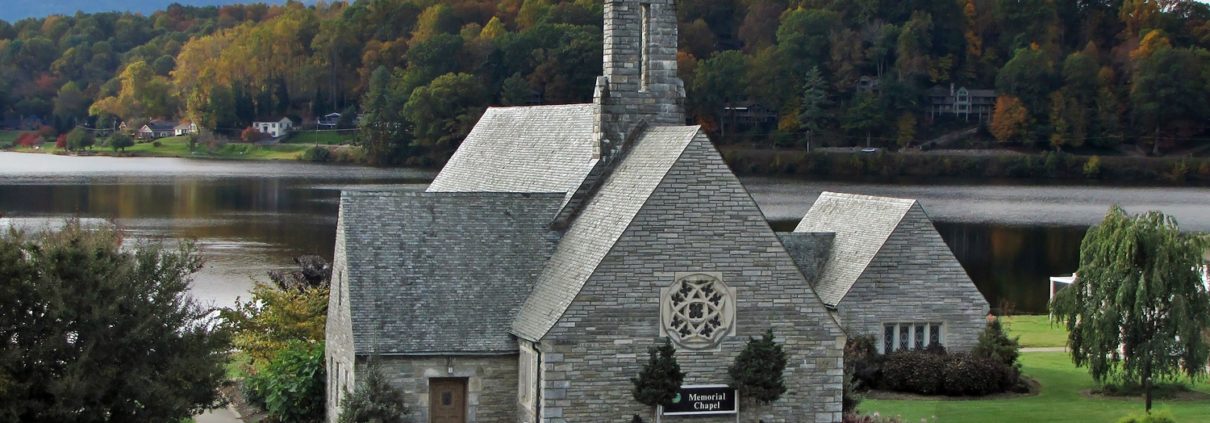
640	85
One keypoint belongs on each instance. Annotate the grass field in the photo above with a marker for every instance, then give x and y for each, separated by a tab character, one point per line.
1062	399
1036	331
1063	396
179	147
322	138
8	137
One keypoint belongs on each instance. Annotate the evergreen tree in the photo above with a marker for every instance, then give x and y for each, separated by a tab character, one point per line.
758	370
382	132
374	400
1138	310
996	345
660	378
813	109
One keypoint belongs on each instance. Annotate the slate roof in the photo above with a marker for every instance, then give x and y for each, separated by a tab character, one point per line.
809	251
599	226
523	149
862	225
161	125
442	273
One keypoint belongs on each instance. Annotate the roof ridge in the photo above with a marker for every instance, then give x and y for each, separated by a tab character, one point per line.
881	245
560	309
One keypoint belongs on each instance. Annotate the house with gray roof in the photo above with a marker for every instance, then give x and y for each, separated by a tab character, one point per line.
880	263
560	243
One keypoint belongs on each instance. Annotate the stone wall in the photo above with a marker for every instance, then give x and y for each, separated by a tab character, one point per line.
338	353
916	279
700	218
491	383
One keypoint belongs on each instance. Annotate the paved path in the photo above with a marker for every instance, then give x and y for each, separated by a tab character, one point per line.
218	415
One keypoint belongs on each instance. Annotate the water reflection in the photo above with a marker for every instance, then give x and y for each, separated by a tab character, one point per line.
1011	264
248	218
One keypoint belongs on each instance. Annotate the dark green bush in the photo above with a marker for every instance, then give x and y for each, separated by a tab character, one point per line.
316	154
861	353
966	374
918	372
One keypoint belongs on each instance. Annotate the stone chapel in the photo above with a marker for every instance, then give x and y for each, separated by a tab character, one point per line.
561	242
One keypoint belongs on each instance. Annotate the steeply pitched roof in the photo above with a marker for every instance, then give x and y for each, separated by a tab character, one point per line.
523	149
599	226
862	225
442	272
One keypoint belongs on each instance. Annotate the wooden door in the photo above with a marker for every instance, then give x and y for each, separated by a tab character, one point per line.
447	400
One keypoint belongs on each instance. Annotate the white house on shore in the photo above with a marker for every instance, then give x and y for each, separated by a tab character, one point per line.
185	128
275	129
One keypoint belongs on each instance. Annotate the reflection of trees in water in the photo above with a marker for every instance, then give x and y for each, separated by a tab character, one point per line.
284	212
1012	264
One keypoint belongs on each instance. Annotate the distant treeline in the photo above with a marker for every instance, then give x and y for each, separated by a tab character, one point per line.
1069	74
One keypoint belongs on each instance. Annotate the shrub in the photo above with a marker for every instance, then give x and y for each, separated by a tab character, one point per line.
1180	171
317	154
29	139
1092	167
660	378
291	386
873	418
757	371
1162	416
996	345
157	144
919	372
861	353
967	374
250	134
374	400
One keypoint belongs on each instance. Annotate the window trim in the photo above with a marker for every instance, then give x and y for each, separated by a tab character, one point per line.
898	329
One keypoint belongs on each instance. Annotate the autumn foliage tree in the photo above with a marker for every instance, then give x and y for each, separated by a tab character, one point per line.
1009	119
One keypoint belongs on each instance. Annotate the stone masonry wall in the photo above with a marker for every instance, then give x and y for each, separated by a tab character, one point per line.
660	101
491	385
916	279
700	218
338	353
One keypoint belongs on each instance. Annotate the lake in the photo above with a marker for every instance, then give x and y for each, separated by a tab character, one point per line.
251	217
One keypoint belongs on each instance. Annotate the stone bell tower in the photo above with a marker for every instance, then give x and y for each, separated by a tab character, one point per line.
640	85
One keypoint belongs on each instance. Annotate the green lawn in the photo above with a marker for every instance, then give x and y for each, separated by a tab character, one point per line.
1060	400
323	138
9	137
1036	331
179	147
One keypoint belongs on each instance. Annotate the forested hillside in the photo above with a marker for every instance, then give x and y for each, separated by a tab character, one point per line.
1068	74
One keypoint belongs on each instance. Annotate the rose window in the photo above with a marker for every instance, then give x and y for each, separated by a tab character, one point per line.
697	310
